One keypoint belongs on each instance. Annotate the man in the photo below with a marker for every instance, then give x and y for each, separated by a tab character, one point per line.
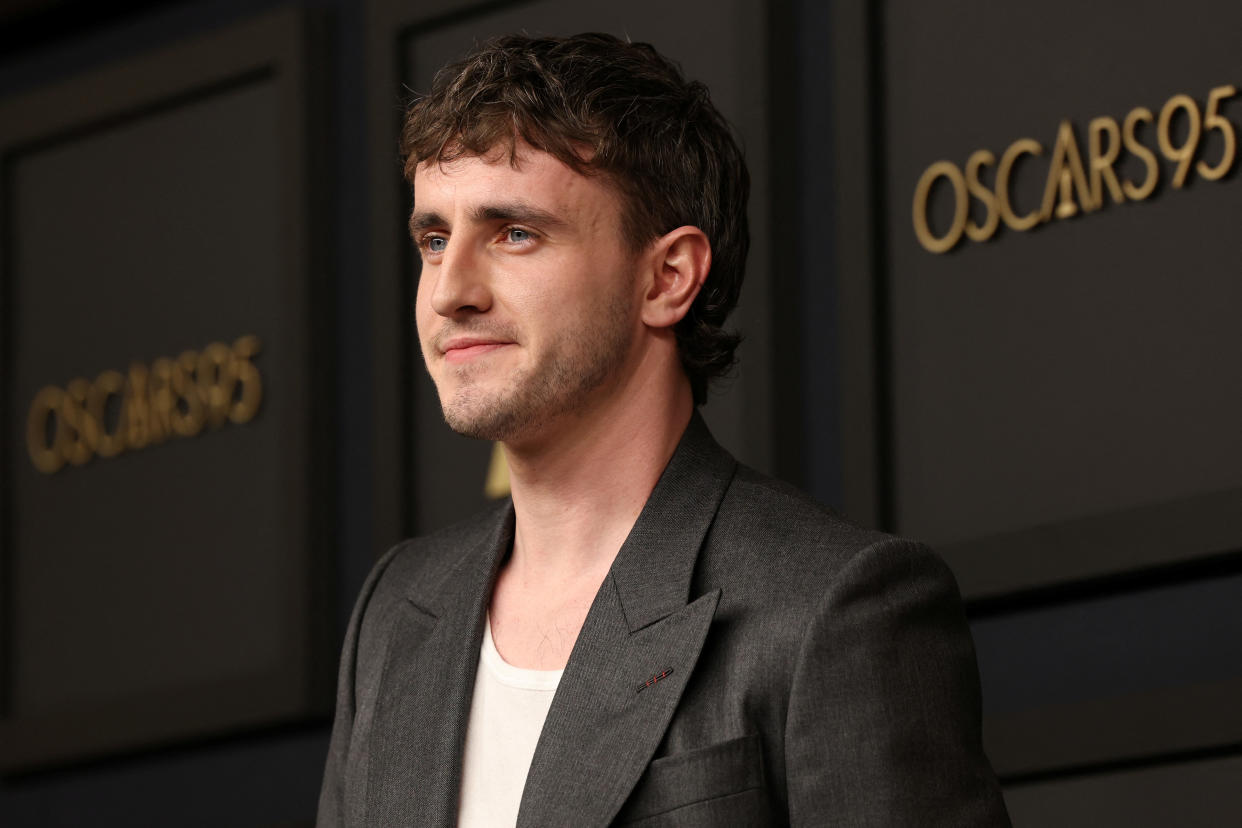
647	632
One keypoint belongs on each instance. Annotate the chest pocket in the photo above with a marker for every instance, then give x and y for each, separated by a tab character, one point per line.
721	784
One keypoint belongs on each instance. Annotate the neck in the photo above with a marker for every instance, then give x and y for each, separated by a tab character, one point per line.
578	488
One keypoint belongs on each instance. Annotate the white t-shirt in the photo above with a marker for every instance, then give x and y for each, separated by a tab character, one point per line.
506	718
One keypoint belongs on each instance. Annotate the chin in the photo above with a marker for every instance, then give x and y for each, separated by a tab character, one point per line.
489	419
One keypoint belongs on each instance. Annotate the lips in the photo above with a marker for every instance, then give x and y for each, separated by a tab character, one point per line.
466	348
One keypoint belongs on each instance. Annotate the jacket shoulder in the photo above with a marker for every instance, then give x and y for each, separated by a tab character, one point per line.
759	509
776	535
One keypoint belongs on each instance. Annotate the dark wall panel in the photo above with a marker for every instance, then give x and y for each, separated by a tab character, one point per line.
1072	372
1050	405
1200	794
162	572
1141	676
146	276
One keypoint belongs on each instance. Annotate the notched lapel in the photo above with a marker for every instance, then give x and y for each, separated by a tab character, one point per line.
426	687
602	730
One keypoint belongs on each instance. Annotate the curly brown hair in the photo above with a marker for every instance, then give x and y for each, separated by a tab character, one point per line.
605	106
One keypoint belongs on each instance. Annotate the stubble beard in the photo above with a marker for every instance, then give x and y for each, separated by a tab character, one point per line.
577	363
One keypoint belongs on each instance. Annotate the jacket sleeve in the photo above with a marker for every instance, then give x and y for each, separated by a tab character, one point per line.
334	803
883	724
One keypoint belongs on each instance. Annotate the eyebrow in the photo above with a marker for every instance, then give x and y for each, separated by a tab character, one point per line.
425	221
519	211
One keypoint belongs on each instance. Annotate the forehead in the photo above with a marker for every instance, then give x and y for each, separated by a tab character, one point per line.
529	175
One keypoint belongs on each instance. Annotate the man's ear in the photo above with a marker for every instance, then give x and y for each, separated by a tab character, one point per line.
678	266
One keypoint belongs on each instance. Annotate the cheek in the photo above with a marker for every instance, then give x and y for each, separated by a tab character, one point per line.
424	316
532	288
533	300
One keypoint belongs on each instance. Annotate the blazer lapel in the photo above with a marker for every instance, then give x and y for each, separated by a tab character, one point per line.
428	682
636	651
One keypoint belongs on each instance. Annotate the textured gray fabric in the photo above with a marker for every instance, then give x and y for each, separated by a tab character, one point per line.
812	673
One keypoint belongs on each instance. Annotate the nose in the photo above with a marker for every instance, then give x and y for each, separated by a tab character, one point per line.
461	283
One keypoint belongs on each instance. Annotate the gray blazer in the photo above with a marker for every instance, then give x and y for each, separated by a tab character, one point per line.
750	659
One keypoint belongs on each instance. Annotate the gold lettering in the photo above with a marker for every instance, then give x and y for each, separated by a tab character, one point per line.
136	408
981	232
1212	119
1004	201
1183	129
76	446
922	192
215	382
1140	114
172	397
1065	177
245	349
46	405
160	394
88	426
108	384
1184	154
1102	160
188	414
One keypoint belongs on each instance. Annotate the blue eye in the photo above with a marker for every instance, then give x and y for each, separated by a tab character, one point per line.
436	244
517	234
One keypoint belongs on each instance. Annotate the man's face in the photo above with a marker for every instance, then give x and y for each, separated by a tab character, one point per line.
528	303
